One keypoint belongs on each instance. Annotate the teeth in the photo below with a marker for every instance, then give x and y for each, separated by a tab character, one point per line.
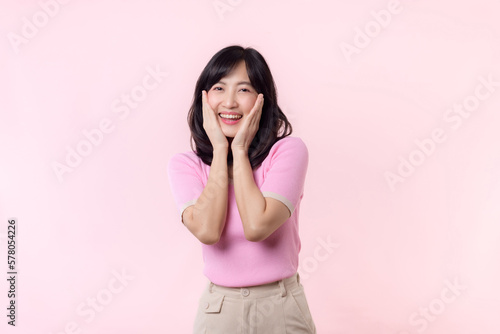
230	116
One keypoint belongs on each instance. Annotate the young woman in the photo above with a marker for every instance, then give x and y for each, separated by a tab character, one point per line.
239	192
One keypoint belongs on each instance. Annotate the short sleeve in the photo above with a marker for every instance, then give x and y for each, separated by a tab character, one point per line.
286	172
184	174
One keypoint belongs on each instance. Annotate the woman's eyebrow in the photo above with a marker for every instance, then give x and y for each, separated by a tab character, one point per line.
239	83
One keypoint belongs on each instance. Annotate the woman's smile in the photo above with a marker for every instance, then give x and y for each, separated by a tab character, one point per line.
230	118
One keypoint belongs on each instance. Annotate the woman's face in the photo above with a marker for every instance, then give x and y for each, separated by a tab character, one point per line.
232	94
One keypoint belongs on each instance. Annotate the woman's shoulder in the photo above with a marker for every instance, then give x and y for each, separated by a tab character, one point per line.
289	143
185	158
287	148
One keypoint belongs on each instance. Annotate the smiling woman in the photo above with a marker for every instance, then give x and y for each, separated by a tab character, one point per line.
248	227
233	99
255	76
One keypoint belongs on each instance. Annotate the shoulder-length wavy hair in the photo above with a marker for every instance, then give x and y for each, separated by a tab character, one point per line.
272	118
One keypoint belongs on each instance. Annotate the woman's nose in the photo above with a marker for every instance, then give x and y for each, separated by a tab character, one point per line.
229	101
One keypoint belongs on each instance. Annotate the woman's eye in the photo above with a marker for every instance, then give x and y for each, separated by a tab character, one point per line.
217	88
245	89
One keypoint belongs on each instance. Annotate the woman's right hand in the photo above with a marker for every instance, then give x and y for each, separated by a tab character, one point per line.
211	124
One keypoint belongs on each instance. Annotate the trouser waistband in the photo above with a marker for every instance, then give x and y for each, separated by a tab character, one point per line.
264	290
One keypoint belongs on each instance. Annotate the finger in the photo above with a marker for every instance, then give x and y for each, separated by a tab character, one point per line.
261	103
259	114
259	110
204	104
204	97
256	105
208	114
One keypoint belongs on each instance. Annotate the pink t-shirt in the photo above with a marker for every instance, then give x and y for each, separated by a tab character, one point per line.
234	261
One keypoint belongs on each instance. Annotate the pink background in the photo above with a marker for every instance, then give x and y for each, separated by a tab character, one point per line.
391	253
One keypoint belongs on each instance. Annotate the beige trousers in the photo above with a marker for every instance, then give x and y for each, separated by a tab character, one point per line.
276	308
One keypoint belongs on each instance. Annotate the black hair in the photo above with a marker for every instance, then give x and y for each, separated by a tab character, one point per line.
272	118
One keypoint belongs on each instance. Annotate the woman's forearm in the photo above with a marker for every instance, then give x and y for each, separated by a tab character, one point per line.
210	209
249	199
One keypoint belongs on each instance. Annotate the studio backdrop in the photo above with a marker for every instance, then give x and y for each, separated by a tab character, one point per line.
397	101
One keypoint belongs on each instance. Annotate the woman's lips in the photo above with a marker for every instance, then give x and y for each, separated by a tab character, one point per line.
230	121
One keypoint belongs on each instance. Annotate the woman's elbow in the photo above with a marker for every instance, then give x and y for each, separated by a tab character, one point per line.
208	237
208	240
254	234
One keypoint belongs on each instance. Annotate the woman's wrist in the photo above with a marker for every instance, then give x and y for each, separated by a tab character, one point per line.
239	151
220	149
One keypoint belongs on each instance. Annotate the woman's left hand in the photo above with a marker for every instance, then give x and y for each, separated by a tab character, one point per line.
249	128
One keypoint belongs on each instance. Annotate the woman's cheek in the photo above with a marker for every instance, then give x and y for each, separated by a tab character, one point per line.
249	105
213	104
212	101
